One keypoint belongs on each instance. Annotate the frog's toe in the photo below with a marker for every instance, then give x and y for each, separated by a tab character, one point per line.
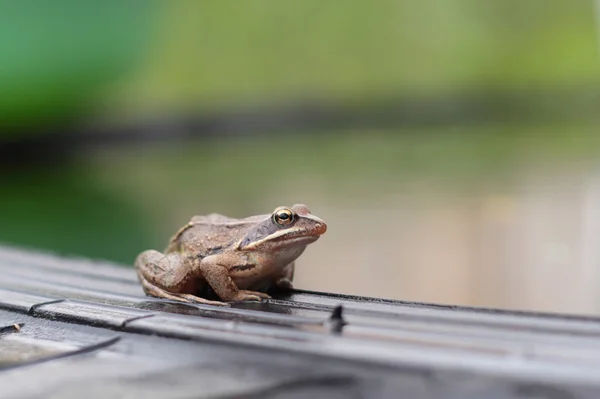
259	294
245	295
202	301
249	297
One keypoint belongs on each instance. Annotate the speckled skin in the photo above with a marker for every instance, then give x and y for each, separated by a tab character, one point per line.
239	259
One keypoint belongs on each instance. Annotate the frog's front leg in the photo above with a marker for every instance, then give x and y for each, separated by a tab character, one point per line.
168	276
216	269
285	280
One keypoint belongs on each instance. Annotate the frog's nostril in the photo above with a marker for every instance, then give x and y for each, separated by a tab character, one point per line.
322	228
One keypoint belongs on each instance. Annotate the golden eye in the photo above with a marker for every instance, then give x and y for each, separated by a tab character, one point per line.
283	217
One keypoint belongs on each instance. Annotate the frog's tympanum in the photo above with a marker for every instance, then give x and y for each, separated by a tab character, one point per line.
232	259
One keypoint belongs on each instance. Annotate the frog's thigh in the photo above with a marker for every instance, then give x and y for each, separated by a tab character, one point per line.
164	271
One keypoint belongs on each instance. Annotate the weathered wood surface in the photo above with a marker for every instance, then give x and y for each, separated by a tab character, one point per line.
85	328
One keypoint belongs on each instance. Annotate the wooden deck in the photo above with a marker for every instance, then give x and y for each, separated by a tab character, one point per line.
74	328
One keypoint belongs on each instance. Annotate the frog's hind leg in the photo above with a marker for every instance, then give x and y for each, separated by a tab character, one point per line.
155	291
153	266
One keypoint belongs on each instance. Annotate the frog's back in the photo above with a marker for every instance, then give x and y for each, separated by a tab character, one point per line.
214	233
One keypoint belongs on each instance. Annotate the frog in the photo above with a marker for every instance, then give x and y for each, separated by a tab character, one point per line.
233	259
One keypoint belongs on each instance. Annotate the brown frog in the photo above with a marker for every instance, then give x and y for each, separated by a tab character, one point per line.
239	259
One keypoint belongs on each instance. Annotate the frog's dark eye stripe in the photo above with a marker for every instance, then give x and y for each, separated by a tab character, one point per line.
283	217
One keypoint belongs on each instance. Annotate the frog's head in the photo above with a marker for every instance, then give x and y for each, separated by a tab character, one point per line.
286	227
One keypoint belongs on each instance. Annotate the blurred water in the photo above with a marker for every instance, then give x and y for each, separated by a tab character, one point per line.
505	217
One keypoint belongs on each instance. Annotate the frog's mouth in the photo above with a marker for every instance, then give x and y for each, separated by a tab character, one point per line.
296	240
299	234
290	237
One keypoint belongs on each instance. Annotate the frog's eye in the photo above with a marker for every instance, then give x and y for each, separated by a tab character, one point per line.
283	217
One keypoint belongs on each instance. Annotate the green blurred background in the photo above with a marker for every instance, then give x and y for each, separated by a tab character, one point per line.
451	146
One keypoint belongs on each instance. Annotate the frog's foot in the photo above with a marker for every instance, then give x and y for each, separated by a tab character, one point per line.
157	292
246	295
284	284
